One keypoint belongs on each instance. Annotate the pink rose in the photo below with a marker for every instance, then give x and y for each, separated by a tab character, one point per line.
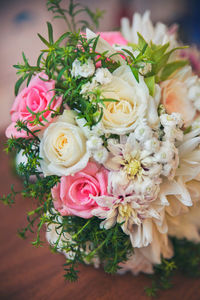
113	37
72	196
37	97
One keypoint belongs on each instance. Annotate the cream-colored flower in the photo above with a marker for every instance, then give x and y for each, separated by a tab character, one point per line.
158	34
136	263
136	207
147	158
181	93
187	223
63	147
137	216
144	258
183	191
86	69
133	102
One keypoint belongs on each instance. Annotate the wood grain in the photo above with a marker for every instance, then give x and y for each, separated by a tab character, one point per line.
30	273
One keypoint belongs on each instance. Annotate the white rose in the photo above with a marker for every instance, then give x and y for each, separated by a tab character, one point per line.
134	103
63	147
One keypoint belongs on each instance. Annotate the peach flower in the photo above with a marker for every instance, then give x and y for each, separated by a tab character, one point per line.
181	94
174	99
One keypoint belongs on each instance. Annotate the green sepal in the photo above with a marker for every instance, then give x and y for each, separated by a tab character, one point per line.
150	82
170	68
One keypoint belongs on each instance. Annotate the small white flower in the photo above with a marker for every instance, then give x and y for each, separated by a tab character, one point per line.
103	76
95	131
152	145
172	120
143	132
166	153
84	70
101	155
94	143
172	124
87	88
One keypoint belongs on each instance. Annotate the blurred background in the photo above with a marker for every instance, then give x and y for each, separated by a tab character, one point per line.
21	20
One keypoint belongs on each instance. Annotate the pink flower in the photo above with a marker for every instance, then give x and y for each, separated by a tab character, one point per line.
74	194
37	96
113	37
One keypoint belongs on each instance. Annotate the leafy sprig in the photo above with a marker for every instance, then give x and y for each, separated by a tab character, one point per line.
156	57
69	15
89	241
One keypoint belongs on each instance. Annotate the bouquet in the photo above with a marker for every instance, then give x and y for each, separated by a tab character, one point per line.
107	132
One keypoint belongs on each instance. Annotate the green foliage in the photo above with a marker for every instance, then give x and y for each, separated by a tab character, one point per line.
69	15
186	260
171	68
57	64
88	241
155	58
10	198
187	257
150	82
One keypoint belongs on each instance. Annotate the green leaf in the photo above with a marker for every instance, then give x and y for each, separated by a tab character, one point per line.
44	119
95	43
39	59
71	7
141	42
135	73
32	112
171	68
61	38
61	73
159	64
158	51
50	33
150	82
44	41
29	78
129	53
24	58
19	83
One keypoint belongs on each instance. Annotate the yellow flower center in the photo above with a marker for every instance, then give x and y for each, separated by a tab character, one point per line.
60	143
125	211
122	106
133	167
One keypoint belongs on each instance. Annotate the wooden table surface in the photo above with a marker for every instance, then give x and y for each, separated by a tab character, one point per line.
30	273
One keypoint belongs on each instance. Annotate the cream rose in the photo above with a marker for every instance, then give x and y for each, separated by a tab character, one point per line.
134	102
63	147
